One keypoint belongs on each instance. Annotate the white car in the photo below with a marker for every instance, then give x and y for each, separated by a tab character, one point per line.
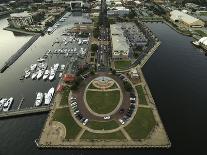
121	121
107	117
132	99
74	103
85	122
72	98
76	112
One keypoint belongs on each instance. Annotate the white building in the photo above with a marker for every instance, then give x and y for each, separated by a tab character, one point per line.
19	20
120	47
203	41
187	20
118	11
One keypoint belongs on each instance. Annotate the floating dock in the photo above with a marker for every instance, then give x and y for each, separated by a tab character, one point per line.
25	111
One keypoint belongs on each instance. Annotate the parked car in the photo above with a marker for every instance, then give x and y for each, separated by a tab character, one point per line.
121	121
107	117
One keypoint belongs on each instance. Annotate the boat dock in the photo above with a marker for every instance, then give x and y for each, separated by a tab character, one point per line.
25	111
14	57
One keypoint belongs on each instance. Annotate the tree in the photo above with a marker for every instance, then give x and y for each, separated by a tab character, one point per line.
131	14
113	71
96	32
94	47
127	86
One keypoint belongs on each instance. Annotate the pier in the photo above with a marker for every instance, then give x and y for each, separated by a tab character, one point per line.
14	57
25	111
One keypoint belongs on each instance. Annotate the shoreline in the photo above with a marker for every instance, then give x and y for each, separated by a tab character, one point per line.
20	31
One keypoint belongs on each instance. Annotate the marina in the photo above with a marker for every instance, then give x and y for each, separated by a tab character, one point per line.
43	59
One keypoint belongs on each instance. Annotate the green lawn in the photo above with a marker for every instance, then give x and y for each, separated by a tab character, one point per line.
65	93
142	124
122	64
103	102
108	125
64	116
93	136
201	33
141	96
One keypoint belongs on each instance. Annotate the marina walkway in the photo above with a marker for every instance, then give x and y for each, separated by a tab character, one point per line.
25	111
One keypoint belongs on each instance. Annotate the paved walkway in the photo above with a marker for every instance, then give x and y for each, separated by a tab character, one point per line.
126	134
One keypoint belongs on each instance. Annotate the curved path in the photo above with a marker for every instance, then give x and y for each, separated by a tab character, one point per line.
79	94
112	130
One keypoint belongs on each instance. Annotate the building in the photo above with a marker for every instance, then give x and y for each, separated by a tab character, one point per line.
20	20
118	11
120	47
133	73
187	20
192	6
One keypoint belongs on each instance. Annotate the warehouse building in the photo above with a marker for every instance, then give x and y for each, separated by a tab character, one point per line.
187	20
120	47
19	20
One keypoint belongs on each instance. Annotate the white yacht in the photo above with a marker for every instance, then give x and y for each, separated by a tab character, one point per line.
46	74
195	43
33	67
60	75
27	74
34	75
49	95
40	59
52	74
39	99
8	104
62	67
2	102
40	73
56	66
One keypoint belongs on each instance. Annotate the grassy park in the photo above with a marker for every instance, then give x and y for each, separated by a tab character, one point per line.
122	64
64	116
142	124
65	93
106	125
140	91
103	102
93	136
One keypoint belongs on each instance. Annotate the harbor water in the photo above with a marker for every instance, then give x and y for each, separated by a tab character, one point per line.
176	74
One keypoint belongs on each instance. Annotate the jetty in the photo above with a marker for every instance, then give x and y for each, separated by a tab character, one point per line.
14	57
25	111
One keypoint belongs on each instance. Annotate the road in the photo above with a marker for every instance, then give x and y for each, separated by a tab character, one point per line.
103	56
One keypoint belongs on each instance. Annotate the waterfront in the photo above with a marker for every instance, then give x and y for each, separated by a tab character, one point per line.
177	78
9	42
28	88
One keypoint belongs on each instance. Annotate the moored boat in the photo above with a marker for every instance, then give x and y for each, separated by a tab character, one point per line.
52	74
2	102
40	59
56	66
34	75
40	73
33	67
196	43
39	99
8	104
49	95
46	74
27	74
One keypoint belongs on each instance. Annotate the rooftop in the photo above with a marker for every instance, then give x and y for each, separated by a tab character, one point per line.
21	14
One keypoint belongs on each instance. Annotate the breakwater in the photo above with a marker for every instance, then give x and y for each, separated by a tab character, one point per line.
14	57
